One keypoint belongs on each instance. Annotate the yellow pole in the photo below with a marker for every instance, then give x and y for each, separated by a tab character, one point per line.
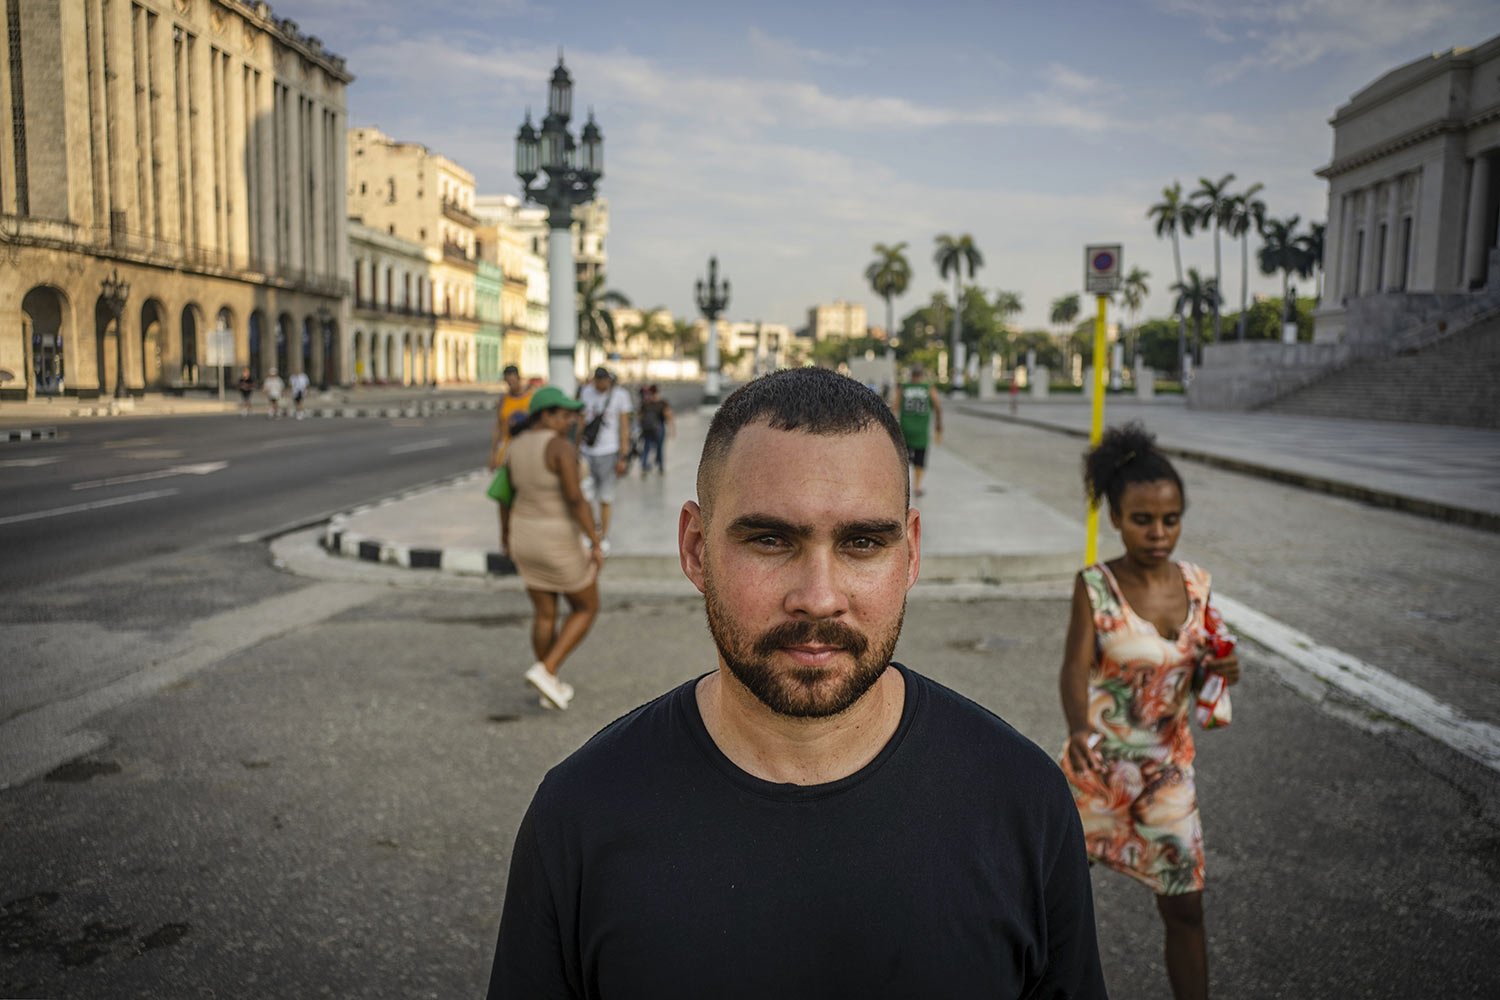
1096	426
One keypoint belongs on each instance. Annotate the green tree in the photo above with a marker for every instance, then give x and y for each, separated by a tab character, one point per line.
1248	212
1197	296
889	275
1312	243
1133	294
596	324
1007	306
1156	344
1043	343
1064	312
830	352
1176	217
1281	249
954	254
1216	206
685	340
922	329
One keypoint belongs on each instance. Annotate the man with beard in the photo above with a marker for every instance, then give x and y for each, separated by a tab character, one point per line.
810	819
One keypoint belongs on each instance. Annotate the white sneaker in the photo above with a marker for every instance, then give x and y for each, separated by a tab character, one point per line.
549	686
567	690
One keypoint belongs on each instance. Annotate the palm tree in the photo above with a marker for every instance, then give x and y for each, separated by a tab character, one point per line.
1007	304
1215	205
1312	243
888	276
596	324
1197	296
1248	212
1281	250
1064	312
1132	295
952	255
1177	217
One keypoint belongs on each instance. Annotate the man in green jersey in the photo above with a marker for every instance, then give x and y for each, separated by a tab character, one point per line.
916	406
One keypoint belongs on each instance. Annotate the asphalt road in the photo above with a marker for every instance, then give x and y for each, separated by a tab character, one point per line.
113	491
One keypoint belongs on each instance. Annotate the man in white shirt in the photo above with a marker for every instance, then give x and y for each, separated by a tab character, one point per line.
273	387
607	452
298	383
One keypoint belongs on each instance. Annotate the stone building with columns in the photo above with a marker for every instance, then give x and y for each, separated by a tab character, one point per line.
1413	197
409	191
190	153
390	321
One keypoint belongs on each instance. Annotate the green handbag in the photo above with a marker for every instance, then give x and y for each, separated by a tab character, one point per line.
500	487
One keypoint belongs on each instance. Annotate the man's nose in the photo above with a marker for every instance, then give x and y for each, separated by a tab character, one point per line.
815	591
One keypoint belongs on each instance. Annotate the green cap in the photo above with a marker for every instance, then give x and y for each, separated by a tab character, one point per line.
549	396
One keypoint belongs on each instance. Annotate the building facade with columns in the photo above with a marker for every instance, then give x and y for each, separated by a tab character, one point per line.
1413	196
391	322
190	153
409	191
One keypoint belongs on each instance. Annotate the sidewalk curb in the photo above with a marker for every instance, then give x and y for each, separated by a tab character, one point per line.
28	434
340	541
1319	484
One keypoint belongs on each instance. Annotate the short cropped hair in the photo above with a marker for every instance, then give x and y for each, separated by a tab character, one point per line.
811	400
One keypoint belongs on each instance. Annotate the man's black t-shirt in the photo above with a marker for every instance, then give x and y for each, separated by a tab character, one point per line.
952	865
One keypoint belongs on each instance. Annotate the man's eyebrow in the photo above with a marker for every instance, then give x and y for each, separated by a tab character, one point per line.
751	523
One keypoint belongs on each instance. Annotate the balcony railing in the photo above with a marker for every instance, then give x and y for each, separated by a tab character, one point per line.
371	305
456	253
456	212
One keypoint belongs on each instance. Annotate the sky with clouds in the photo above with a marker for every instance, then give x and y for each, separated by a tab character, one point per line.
789	137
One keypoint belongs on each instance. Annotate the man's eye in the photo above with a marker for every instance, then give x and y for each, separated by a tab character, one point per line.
864	543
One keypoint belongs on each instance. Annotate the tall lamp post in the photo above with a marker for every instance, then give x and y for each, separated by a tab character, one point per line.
713	298
115	293
572	171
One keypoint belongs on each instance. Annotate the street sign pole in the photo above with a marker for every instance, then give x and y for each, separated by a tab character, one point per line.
1101	276
1096	425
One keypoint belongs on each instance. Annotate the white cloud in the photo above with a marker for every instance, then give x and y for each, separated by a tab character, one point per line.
785	52
1290	34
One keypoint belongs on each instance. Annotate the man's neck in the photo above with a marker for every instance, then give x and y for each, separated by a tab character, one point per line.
787	750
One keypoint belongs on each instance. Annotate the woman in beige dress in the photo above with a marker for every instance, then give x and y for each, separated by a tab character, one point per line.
540	530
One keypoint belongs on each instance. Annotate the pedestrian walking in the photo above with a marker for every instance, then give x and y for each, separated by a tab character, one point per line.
539	531
273	387
1136	639
921	415
298	383
605	441
807	818
511	414
657	421
247	389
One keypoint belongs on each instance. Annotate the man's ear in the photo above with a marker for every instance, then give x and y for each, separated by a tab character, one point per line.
691	532
913	546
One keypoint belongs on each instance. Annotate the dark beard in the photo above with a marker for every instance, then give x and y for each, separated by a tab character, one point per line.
799	692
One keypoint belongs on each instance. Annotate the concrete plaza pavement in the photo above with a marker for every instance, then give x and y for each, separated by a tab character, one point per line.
1451	473
975	527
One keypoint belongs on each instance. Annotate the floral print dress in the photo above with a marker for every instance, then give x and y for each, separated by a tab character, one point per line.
1140	811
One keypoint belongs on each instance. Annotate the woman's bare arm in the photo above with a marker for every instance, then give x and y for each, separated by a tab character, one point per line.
1073	679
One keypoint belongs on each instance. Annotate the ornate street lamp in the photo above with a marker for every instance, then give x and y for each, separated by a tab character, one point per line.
115	293
712	298
557	173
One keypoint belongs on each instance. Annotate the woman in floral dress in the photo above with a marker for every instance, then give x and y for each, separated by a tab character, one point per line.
1135	637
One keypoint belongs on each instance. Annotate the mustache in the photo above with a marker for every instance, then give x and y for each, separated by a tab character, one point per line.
801	633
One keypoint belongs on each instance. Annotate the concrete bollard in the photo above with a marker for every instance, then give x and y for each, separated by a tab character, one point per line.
1040	380
1145	382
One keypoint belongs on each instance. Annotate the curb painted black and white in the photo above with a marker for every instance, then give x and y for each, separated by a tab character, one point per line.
339	540
29	434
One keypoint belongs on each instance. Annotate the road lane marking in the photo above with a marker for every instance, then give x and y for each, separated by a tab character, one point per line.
1473	738
406	449
197	469
76	508
39	739
29	463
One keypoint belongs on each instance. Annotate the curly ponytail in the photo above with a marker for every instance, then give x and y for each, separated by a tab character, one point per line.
1126	455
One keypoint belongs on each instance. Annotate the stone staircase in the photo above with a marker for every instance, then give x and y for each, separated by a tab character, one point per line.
1453	380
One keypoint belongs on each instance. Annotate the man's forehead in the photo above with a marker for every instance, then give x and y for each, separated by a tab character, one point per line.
860	466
